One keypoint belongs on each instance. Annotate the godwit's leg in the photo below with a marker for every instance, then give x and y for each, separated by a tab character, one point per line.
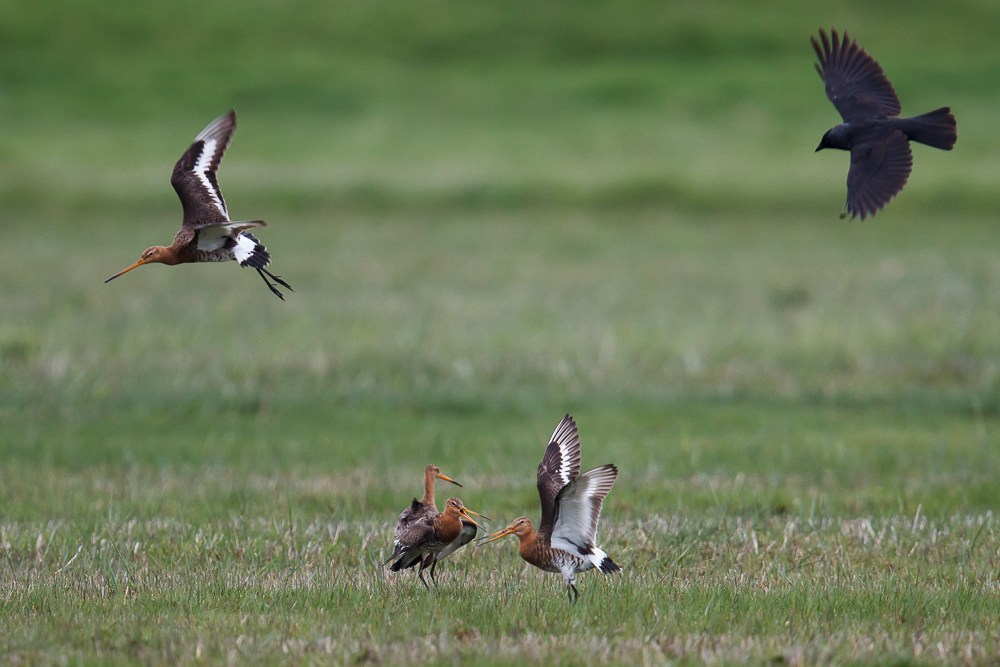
434	564
420	573
269	285
569	578
278	279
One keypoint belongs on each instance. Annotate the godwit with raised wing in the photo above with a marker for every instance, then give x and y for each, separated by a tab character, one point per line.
571	507
422	540
207	234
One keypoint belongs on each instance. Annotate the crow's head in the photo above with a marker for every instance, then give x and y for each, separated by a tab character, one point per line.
838	136
824	142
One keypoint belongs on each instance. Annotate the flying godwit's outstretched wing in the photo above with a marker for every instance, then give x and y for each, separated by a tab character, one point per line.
559	467
578	507
194	176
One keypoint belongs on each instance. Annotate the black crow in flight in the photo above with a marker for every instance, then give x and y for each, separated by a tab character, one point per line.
879	140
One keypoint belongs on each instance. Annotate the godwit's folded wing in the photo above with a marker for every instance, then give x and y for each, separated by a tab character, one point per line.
578	508
194	176
410	541
559	467
415	512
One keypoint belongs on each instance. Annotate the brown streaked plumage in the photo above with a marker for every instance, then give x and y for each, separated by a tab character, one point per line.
429	536
878	139
571	507
425	507
418	509
207	234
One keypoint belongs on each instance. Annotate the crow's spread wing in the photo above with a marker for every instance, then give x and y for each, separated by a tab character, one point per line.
855	82
878	172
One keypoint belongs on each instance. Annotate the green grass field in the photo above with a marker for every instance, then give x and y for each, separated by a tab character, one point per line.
493	215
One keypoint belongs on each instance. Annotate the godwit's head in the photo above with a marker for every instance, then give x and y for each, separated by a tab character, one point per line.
454	509
521	527
156	254
433	472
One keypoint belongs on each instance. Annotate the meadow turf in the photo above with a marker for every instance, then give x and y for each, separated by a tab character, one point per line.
493	215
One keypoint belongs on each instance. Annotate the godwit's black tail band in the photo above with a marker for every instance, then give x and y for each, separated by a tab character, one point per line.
260	257
404	564
608	566
407	559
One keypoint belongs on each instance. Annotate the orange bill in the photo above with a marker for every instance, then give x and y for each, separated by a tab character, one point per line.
478	514
509	530
465	512
440	475
139	263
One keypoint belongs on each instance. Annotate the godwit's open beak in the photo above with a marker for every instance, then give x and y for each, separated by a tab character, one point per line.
509	530
477	514
139	263
440	476
465	512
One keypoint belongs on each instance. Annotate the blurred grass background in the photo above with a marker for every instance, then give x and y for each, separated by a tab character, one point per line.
493	214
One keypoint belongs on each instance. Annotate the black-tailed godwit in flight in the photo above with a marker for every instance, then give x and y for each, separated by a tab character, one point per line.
207	234
571	507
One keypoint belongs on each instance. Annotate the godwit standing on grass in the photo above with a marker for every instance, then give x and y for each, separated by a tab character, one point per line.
571	506
425	507
207	234
421	508
422	540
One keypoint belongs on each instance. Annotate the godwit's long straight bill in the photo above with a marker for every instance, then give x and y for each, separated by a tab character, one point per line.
207	234
465	511
124	271
449	479
571	508
509	530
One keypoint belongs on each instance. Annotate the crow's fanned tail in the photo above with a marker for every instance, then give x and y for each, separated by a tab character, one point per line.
935	128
